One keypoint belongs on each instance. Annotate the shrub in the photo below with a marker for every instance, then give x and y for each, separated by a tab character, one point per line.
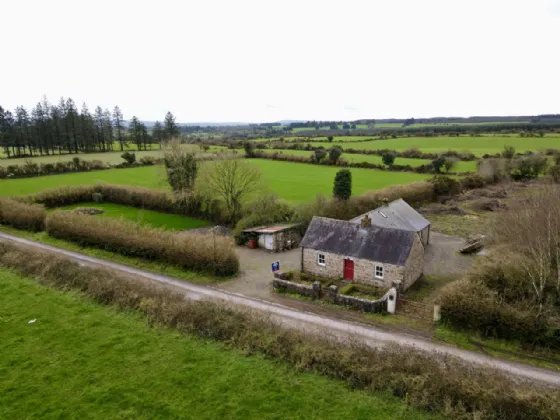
249	149
334	154
554	173
509	152
528	167
388	159
265	210
472	182
181	167
438	163
22	215
190	251
342	184
444	185
147	160
129	158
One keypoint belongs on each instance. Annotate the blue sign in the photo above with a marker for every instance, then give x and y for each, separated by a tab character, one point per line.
275	266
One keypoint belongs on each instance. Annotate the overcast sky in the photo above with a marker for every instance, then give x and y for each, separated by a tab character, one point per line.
269	60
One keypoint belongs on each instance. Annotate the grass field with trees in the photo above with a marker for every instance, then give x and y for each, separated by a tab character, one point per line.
290	181
79	359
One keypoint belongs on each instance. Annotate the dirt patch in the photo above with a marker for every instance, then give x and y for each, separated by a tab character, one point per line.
88	210
487	204
437	208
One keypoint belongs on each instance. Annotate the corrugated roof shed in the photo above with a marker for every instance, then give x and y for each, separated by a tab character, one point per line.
374	243
397	215
271	229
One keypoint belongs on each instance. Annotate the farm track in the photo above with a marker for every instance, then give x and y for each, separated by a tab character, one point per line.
309	322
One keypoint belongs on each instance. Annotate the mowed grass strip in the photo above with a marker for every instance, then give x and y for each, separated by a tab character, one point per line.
144	217
290	181
83	360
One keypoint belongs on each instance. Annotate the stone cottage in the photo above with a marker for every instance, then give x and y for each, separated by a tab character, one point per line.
362	252
399	215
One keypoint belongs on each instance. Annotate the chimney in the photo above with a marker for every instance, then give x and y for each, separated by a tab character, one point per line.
365	222
385	202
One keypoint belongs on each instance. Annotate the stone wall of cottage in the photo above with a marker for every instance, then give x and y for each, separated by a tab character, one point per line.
414	264
364	270
425	235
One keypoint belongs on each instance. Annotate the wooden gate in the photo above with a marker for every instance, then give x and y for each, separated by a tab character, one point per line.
416	310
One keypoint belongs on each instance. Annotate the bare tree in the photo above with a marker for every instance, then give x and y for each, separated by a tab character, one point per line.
531	229
233	181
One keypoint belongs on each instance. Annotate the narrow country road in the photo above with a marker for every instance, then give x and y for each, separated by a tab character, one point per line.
307	321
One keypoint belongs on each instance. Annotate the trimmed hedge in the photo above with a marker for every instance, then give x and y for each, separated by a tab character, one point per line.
145	198
22	215
429	381
191	251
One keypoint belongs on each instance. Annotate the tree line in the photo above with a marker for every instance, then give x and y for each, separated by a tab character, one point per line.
50	129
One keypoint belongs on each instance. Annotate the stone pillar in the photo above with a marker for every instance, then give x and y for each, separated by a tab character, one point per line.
392	300
333	293
437	313
317	289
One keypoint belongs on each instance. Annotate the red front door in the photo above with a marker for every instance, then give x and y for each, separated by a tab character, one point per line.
348	270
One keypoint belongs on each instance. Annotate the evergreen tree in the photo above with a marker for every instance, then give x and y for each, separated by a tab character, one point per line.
170	127
98	121
118	126
343	184
23	139
71	118
135	131
157	132
87	129
108	128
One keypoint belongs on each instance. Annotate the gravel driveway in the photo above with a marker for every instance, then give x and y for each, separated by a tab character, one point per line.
442	256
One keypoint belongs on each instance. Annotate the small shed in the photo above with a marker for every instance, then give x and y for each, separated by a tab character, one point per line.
276	237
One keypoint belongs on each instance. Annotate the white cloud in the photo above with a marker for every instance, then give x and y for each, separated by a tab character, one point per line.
229	61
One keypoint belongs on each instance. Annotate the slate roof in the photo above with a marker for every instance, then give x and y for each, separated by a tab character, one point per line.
397	215
374	243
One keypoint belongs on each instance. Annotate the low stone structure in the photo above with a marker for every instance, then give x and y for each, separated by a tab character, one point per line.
313	291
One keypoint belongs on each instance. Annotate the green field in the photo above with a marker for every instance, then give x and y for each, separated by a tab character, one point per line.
83	360
350	157
291	181
145	217
477	145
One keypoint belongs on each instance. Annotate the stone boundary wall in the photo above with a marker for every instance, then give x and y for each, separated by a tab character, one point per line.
364	305
315	291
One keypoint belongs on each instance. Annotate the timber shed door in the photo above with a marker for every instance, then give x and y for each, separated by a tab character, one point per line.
348	269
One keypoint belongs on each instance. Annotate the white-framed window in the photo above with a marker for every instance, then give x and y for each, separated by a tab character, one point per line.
378	271
321	259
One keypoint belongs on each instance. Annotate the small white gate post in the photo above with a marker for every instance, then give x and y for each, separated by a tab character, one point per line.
392	300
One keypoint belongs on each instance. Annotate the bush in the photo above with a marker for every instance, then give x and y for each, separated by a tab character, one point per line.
147	160
471	182
388	159
457	389
528	167
189	251
264	210
342	189
444	185
22	215
129	158
554	173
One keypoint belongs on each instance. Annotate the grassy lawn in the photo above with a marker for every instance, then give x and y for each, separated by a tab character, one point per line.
83	360
477	145
459	167
291	181
145	217
155	267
